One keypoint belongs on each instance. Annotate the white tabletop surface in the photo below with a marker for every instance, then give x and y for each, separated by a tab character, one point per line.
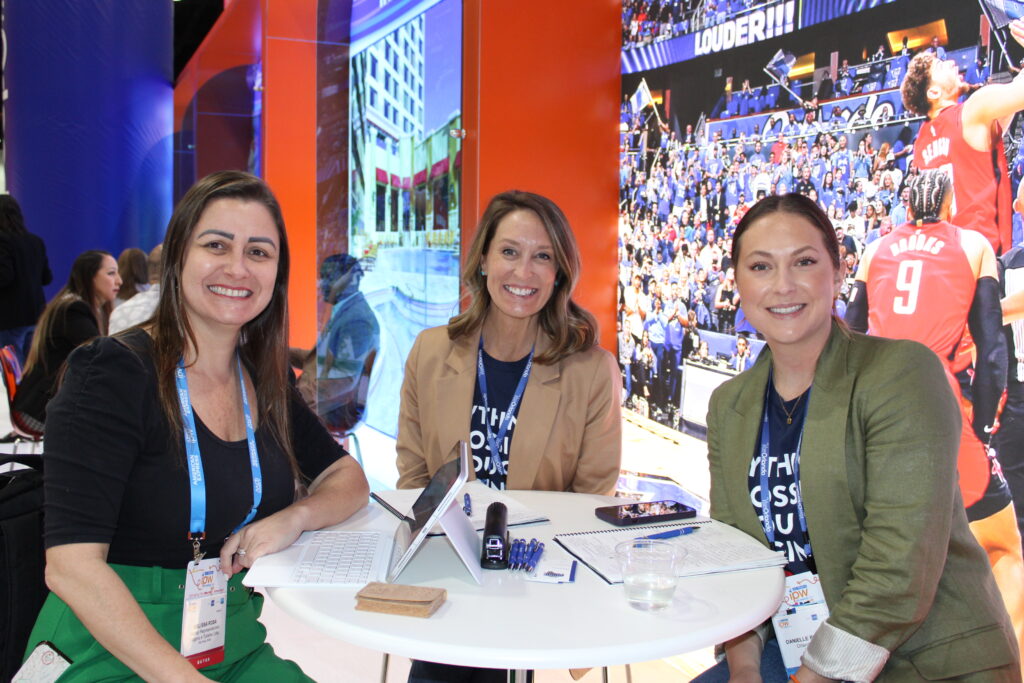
509	622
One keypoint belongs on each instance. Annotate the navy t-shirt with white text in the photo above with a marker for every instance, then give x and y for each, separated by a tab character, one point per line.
502	379
782	481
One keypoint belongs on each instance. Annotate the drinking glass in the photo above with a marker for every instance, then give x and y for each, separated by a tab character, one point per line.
648	572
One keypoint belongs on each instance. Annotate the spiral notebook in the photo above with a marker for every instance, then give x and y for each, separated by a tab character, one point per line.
716	547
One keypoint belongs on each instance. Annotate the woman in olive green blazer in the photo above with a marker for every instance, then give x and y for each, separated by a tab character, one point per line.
910	593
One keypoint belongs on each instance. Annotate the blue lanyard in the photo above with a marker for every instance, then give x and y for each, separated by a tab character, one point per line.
197	482
481	377
766	498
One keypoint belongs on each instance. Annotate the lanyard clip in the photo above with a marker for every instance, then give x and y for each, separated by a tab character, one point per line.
195	539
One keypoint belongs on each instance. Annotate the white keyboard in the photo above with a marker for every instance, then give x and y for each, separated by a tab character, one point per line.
341	558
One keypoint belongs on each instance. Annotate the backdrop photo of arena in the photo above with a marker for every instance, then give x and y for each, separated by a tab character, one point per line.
726	101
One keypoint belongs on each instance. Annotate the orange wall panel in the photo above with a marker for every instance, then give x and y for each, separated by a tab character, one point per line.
541	90
289	146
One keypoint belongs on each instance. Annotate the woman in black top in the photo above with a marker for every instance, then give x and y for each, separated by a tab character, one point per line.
204	387
24	271
79	312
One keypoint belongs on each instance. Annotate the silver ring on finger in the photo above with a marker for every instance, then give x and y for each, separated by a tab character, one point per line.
240	552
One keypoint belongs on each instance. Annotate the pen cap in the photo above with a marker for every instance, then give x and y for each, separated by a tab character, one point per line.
494	553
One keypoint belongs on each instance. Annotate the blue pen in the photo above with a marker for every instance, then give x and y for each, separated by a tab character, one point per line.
672	533
535	558
467	505
521	557
513	558
528	553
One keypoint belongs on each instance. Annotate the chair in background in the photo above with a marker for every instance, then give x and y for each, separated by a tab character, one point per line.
342	403
16	436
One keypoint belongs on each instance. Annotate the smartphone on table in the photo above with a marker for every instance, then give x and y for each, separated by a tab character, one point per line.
645	513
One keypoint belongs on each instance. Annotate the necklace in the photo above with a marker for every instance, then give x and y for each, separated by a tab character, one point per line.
790	413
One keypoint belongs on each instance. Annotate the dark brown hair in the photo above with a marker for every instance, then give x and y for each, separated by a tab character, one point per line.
134	271
916	83
12	222
570	327
798	205
79	287
263	343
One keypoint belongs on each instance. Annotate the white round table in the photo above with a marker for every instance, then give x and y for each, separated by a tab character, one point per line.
512	623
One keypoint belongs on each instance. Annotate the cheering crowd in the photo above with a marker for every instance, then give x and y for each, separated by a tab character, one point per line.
681	197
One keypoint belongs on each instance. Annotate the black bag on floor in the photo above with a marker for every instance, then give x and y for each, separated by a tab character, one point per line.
22	585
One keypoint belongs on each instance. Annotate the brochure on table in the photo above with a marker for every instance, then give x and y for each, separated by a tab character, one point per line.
716	547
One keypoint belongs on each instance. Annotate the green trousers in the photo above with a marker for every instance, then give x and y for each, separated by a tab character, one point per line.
161	593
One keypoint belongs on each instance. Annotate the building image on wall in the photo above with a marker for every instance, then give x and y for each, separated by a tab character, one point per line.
403	183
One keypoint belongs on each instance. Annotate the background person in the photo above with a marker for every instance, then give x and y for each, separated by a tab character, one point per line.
845	477
1009	440
133	268
78	312
953	287
336	370
24	271
118	499
141	306
966	139
518	375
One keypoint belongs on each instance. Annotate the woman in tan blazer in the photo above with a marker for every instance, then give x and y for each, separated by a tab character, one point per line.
518	375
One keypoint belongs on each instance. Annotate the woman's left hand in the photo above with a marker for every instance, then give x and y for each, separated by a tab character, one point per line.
339	491
253	541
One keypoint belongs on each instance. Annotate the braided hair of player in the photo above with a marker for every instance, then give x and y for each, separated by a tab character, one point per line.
928	190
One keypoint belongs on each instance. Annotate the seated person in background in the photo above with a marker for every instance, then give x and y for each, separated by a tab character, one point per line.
335	373
742	358
203	387
78	312
523	349
133	269
142	305
853	476
702	354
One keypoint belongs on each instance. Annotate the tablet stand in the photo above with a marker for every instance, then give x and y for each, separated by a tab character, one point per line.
460	532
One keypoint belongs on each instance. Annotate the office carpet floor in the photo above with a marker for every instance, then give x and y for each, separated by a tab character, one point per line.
326	660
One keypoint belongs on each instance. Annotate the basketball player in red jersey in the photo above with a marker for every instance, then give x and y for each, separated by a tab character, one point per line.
929	281
966	139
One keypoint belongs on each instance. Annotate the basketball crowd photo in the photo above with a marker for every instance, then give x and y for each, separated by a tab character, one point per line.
899	120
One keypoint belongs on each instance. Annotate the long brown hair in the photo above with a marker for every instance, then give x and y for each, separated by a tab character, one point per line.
79	287
263	343
570	327
134	271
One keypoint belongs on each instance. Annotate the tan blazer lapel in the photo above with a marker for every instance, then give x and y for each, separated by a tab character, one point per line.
535	421
454	391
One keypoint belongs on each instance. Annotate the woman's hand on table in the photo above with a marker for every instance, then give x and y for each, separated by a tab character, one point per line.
340	490
253	541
